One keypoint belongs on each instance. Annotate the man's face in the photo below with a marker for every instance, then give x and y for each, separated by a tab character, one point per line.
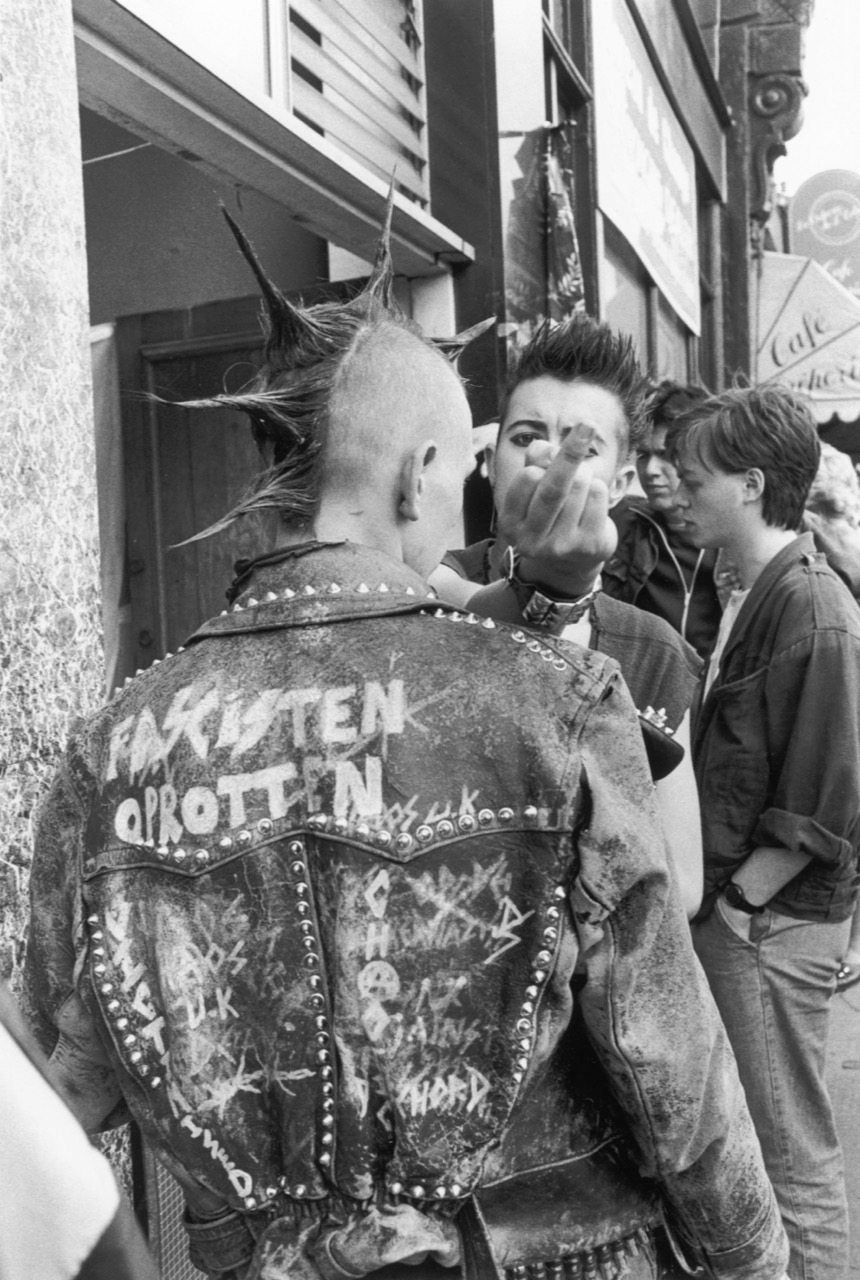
710	503
539	415
657	475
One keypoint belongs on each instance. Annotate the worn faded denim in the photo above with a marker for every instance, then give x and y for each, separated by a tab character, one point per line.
776	742
363	907
773	978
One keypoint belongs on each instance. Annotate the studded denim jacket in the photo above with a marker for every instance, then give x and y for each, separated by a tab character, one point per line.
362	906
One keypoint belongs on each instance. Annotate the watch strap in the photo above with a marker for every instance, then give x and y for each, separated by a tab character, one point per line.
735	897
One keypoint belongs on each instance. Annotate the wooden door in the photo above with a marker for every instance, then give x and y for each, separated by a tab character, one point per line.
184	468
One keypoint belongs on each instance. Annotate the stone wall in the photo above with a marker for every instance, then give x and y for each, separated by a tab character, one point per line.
51	667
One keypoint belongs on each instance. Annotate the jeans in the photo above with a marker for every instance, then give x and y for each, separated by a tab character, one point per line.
772	978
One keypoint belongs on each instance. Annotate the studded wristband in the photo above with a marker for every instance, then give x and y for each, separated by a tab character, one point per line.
538	606
554	615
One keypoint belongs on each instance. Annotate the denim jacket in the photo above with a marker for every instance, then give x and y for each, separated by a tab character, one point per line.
776	743
362	905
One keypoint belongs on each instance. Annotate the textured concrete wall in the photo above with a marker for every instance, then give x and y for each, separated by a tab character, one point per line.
50	635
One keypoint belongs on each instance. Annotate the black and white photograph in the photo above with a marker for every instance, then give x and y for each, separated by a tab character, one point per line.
429	639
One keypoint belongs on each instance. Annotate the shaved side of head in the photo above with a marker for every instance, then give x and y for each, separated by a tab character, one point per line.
392	392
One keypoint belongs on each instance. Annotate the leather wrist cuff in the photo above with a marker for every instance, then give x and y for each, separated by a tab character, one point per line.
554	615
540	605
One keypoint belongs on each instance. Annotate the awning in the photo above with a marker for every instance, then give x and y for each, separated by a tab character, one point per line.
809	335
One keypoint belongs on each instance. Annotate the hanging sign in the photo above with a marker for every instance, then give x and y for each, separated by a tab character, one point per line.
824	220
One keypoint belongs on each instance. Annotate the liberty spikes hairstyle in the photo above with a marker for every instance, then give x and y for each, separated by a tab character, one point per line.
288	401
582	349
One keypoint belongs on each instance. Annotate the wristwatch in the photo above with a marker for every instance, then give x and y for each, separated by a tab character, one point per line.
735	897
539	605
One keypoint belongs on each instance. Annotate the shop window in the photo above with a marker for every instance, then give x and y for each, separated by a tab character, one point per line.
708	361
557	14
633	304
707	15
671	355
625	292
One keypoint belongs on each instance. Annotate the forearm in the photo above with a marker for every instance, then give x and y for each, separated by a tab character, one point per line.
498	600
767	870
568	577
678	802
548	615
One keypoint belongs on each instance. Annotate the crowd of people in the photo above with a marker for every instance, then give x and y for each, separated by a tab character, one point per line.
480	908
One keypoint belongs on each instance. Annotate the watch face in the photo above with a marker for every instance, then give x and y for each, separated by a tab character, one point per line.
735	897
733	894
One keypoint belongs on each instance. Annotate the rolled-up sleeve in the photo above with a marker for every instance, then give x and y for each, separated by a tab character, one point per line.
653	1022
812	709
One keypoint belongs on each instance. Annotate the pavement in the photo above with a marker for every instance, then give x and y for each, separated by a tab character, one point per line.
843	1081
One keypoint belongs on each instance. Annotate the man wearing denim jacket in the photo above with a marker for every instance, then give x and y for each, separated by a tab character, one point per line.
360	904
776	740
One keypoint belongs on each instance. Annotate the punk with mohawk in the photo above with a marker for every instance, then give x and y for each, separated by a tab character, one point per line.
306	348
308	896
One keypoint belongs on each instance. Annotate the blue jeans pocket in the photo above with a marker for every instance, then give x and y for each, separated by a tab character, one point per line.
738	923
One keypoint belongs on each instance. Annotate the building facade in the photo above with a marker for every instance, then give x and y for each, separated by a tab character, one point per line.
547	155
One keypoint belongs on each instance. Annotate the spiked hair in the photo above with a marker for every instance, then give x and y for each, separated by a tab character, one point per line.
581	349
288	401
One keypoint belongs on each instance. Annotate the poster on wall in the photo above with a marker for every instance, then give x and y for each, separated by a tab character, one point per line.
646	173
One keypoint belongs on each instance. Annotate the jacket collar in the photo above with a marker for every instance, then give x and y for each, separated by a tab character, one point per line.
333	582
802	546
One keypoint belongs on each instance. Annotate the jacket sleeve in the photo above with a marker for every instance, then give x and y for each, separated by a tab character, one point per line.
61	1021
653	1021
812	712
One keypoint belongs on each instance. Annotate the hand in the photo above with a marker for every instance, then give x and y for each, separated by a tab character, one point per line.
556	513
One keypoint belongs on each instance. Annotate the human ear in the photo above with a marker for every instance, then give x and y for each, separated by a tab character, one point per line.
754	484
490	463
412	479
621	482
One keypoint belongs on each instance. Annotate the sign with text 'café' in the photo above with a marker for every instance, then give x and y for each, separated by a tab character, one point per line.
809	335
824	221
646	173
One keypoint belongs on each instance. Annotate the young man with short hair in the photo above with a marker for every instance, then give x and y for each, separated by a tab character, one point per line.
776	746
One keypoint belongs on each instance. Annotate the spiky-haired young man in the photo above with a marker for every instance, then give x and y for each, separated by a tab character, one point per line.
572	417
362	907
